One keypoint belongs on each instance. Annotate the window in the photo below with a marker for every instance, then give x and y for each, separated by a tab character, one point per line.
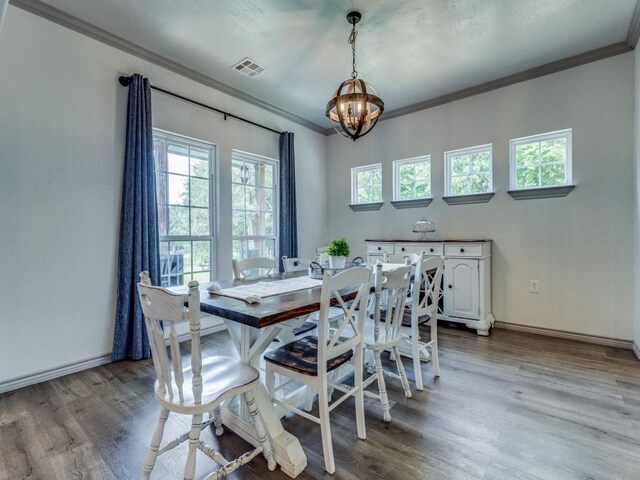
184	191
412	178
541	161
366	184
468	171
254	204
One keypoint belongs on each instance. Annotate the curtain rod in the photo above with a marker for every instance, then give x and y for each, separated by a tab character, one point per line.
125	81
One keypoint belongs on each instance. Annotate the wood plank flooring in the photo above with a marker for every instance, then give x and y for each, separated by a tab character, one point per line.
509	406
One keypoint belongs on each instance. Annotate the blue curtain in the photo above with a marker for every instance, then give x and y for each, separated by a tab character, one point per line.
139	248
288	234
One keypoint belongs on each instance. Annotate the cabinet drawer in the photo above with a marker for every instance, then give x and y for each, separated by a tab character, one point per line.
380	247
428	249
463	250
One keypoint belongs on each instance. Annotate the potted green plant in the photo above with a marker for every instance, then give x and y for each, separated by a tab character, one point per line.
338	250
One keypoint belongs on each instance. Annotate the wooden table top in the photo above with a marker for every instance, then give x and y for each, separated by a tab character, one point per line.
271	310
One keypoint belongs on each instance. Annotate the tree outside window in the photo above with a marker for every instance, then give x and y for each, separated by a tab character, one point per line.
366	184
468	171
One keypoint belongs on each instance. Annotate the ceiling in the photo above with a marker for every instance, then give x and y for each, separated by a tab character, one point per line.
409	50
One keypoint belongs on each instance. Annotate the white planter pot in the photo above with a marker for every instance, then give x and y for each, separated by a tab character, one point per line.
337	262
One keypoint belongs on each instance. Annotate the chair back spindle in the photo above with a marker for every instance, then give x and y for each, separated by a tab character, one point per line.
158	306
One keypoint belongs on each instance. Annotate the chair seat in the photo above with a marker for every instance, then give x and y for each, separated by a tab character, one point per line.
220	375
302	356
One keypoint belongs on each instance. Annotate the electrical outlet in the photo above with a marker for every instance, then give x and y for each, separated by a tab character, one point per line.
533	286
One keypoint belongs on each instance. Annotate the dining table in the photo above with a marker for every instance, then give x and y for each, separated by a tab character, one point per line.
252	327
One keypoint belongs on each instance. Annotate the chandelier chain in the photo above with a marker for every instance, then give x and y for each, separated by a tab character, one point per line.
352	41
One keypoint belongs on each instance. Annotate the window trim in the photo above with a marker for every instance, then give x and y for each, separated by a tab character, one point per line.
187	141
558	134
396	177
466	151
354	190
276	201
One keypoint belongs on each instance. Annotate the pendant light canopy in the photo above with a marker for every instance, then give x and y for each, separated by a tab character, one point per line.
355	108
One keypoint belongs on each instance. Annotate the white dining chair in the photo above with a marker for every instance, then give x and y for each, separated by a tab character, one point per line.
310	360
253	267
385	336
198	388
423	306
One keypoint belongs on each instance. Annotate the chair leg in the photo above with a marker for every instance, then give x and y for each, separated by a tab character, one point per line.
217	420
150	461
415	354
401	372
357	383
308	398
325	428
382	387
434	349
263	439
194	437
269	380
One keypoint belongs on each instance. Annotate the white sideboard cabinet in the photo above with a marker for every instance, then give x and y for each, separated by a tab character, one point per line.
465	294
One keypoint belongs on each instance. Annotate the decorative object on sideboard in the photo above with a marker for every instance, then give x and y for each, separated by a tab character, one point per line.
338	251
424	227
355	107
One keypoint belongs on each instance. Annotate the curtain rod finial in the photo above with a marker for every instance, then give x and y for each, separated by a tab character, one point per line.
124	81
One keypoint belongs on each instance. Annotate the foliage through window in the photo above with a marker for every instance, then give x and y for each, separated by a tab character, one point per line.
254	204
541	161
366	184
412	178
184	192
468	171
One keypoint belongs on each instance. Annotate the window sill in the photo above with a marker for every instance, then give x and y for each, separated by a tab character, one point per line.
542	192
364	207
416	202
465	199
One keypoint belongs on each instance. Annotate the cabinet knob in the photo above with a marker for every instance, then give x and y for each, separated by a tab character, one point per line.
379	248
431	250
462	250
450	286
402	249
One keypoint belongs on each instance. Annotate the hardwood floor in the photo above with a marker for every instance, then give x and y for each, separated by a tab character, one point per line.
509	406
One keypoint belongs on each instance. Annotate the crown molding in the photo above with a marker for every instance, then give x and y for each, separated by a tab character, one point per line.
634	27
60	17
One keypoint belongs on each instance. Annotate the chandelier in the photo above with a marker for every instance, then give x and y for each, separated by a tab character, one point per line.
355	108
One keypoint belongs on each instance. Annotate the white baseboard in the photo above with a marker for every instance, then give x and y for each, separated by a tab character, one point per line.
636	349
580	337
74	367
51	373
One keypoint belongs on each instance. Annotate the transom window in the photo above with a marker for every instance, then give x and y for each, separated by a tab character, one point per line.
412	178
468	170
541	161
254	203
184	191
366	184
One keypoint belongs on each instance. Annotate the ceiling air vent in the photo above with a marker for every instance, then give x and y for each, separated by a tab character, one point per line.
249	67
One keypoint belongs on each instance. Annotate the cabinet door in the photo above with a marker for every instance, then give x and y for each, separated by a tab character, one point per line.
461	279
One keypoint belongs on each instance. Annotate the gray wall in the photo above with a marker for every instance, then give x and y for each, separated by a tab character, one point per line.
61	147
580	247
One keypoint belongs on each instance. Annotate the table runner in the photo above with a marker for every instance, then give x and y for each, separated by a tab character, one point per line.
253	292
